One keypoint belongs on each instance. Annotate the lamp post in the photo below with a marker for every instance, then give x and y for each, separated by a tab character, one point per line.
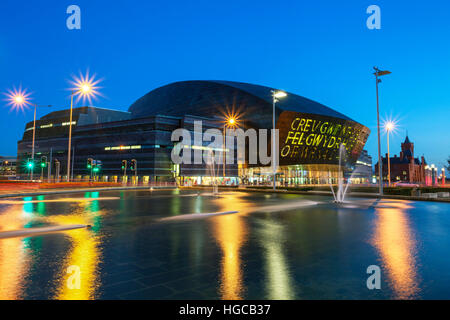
19	99
34	136
229	122
85	87
275	96
70	136
389	126
378	73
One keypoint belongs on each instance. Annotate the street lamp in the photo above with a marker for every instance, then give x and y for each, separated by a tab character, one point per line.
378	73
230	122
85	87
389	126
20	99
34	135
275	96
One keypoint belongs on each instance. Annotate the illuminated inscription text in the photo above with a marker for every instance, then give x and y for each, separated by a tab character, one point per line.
311	138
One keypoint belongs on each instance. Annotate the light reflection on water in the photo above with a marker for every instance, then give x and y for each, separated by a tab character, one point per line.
278	278
84	252
230	232
14	259
259	236
395	242
84	247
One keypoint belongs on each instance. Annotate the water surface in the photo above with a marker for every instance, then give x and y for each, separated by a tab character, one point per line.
276	247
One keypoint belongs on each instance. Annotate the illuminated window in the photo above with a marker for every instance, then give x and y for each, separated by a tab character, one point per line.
46	126
123	148
67	123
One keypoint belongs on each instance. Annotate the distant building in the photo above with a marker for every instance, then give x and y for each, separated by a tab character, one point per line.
7	167
362	171
406	167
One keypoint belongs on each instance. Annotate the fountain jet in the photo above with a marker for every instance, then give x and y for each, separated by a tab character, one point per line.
339	195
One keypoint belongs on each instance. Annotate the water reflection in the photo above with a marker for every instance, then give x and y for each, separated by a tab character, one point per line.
269	250
230	232
279	284
14	255
395	242
84	252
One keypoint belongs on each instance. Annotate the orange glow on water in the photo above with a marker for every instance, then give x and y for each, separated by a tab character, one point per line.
397	247
14	256
230	232
16	259
84	253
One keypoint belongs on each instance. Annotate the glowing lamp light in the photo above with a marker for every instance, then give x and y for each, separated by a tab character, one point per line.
390	126
85	87
279	94
231	120
18	99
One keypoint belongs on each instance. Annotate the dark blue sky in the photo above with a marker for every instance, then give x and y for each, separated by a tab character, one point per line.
319	49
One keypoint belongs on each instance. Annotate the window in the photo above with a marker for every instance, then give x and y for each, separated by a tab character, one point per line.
123	147
67	123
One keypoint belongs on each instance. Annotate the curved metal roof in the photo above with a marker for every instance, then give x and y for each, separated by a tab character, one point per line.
292	102
214	97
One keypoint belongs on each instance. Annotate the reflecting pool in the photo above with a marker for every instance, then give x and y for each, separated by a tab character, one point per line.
176	244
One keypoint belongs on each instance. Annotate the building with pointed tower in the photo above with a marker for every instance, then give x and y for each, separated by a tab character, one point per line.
405	167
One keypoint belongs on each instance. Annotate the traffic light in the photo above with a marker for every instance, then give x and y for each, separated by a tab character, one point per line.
96	169
124	164
133	165
43	162
30	163
89	163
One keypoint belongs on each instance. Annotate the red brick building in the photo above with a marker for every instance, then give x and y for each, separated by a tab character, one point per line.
406	167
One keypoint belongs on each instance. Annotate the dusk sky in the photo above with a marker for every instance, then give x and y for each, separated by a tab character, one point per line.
322	50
